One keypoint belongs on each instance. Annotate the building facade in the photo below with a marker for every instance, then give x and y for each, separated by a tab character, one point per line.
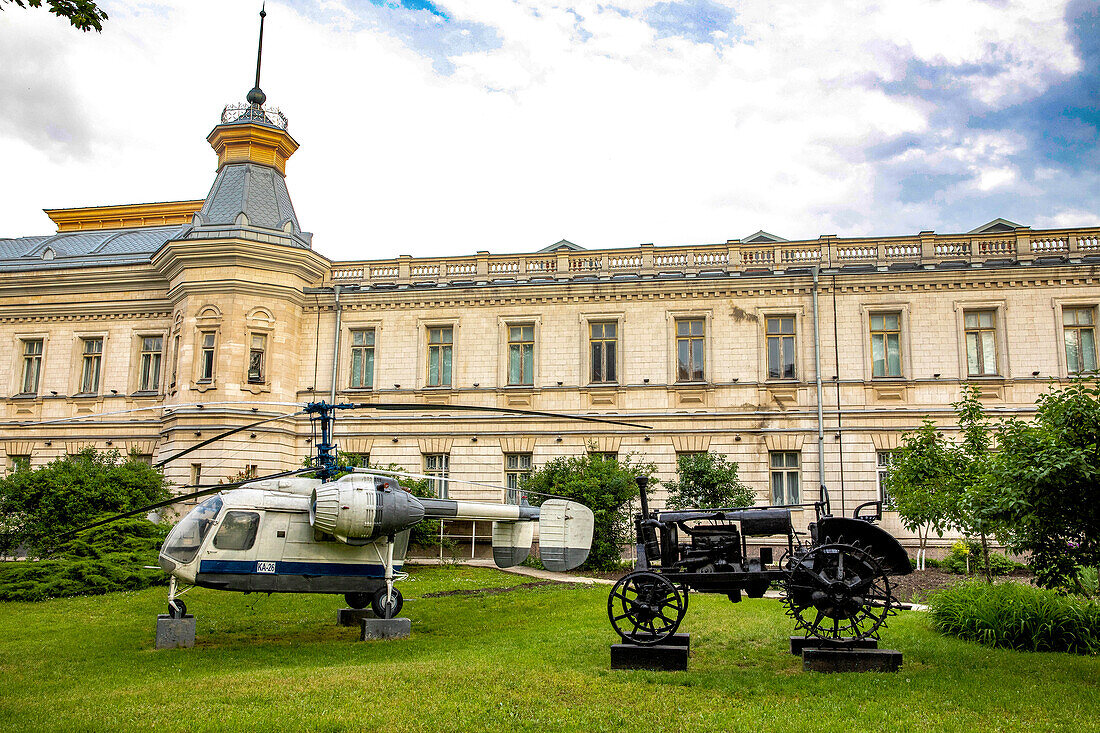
168	323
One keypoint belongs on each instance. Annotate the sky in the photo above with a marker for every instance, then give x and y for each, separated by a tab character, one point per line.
446	127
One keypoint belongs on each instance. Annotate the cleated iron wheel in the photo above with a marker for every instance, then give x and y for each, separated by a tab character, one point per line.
645	608
838	591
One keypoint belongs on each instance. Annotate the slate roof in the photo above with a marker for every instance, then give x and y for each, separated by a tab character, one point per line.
256	191
95	248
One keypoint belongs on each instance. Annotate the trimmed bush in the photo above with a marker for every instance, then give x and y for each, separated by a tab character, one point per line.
1017	616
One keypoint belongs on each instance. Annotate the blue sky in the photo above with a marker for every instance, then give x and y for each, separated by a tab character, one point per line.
450	126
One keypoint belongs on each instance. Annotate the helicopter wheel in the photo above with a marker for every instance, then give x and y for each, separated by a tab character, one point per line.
645	608
357	600
838	591
386	610
177	608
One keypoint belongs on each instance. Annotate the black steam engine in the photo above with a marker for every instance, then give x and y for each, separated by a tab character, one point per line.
837	586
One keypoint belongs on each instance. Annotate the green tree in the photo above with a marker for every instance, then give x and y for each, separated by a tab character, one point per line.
707	480
84	15
603	484
39	506
920	484
1043	485
937	484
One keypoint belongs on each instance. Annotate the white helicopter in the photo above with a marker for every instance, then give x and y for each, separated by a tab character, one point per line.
287	534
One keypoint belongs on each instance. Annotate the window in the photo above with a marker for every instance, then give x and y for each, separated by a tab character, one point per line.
882	459
355	460
604	345
981	343
206	357
238	531
257	354
93	362
689	350
784	478
780	331
18	463
885	344
436	465
521	355
517	466
196	474
251	470
440	347
152	348
146	458
362	359
604	455
1079	327
32	365
175	358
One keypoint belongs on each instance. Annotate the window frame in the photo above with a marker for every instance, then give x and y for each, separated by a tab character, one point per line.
18	462
781	337
883	459
371	349
253	530
441	471
886	333
979	331
92	360
786	471
39	361
1000	344
513	475
690	338
526	352
260	376
603	341
201	362
1063	328
427	371
141	384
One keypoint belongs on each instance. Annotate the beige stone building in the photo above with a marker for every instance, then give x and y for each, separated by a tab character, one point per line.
210	314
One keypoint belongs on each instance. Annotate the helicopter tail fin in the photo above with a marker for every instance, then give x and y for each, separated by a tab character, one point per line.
565	534
512	542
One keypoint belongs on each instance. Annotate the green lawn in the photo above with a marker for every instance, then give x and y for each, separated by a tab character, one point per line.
530	659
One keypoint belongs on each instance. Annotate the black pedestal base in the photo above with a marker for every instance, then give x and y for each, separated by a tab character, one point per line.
672	656
799	643
851	660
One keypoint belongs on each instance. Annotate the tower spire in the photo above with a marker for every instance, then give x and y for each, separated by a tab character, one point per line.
256	95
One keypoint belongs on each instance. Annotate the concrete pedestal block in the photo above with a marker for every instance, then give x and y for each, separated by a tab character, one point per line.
173	633
683	640
851	660
352	616
657	657
376	629
801	643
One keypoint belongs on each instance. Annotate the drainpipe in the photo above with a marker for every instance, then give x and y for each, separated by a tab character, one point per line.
336	344
820	416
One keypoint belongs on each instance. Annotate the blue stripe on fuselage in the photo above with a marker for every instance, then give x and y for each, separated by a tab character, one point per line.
283	567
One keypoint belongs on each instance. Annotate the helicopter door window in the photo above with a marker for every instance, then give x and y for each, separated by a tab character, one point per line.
186	538
238	531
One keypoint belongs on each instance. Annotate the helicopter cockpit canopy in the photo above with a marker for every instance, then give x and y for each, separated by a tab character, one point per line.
186	538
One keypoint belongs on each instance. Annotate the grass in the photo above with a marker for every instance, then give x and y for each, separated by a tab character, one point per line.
530	659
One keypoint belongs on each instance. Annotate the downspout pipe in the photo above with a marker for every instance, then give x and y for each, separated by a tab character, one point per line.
336	345
820	413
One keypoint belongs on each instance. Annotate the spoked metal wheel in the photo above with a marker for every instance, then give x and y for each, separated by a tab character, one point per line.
838	591
645	608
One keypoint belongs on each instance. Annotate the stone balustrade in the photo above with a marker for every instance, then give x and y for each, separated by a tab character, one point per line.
924	250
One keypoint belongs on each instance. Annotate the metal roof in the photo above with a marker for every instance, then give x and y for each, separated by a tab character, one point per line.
95	248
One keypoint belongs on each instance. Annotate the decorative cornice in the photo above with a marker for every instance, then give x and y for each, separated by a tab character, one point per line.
179	255
123	216
252	143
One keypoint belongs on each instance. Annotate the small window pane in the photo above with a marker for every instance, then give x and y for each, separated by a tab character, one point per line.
237	531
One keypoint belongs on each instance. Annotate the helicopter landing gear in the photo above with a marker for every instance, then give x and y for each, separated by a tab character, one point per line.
357	600
177	608
387	609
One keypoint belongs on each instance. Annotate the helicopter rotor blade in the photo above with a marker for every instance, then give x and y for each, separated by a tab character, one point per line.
225	434
204	490
411	407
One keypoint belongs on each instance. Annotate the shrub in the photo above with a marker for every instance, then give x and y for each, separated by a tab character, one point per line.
602	484
961	551
103	560
707	480
1017	616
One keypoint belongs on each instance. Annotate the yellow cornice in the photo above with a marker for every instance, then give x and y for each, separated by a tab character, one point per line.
126	216
251	143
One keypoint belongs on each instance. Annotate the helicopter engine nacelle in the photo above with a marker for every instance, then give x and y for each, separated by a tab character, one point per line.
359	509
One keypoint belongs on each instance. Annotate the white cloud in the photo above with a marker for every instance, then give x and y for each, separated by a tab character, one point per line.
581	124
